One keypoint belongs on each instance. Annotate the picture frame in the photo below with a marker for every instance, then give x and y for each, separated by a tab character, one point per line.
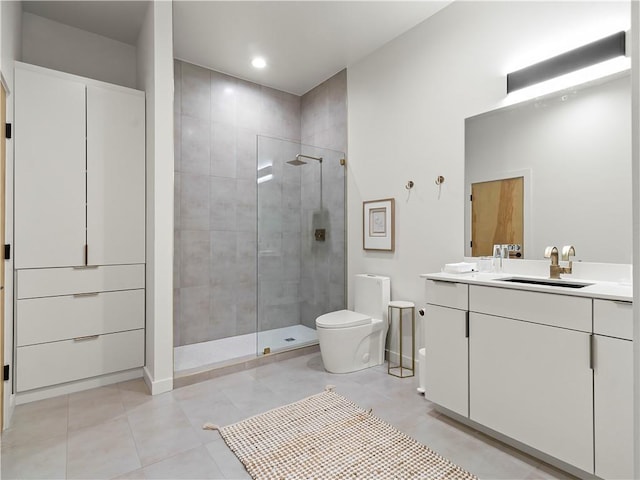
378	227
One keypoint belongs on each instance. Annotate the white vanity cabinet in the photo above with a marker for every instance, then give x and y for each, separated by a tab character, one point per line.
551	370
530	377
79	231
446	347
613	388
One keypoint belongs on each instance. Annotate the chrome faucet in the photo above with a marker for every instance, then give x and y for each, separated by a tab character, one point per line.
555	269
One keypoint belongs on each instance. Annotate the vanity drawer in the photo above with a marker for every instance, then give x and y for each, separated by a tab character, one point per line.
544	308
51	319
49	282
614	319
448	294
58	362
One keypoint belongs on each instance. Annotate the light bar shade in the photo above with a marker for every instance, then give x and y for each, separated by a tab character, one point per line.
581	57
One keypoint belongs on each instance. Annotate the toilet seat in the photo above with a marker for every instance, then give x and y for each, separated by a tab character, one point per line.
342	319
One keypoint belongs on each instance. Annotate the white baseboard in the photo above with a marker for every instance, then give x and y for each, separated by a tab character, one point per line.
8	411
157	386
78	386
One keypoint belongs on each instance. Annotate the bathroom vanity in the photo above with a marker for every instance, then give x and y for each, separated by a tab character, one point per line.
548	368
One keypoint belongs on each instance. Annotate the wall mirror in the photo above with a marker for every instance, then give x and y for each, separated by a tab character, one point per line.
573	153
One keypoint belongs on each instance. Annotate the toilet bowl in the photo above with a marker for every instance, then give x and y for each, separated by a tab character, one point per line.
354	340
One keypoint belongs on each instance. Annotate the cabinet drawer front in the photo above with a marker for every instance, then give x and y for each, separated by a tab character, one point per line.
58	362
49	282
614	319
448	294
51	319
544	308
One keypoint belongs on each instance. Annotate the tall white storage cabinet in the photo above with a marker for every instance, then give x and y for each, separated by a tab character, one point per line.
79	231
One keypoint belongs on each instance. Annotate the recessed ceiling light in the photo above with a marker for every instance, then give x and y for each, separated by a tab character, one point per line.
259	62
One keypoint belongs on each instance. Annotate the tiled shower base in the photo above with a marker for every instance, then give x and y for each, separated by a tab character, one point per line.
188	359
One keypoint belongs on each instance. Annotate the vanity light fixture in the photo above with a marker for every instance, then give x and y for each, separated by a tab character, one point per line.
259	62
603	50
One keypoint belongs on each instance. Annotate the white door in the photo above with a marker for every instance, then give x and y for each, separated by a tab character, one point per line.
446	360
49	170
115	176
613	397
533	383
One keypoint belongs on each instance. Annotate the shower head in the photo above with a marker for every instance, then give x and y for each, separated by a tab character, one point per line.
297	162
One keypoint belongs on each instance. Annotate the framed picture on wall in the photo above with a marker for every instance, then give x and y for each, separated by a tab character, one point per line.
378	224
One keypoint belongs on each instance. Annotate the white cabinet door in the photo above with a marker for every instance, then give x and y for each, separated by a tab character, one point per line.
49	170
446	360
613	397
533	383
115	176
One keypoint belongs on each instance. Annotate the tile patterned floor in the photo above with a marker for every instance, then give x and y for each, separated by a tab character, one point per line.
122	432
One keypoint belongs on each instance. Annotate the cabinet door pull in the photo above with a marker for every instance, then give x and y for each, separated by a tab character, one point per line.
444	282
466	325
84	267
86	254
88	337
592	340
622	302
87	294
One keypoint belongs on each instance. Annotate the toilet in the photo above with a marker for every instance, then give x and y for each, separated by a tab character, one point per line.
354	340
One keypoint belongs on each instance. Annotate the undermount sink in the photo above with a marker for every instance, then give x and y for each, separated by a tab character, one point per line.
549	282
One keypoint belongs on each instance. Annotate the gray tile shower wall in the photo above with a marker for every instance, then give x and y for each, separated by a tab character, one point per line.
323	266
217	120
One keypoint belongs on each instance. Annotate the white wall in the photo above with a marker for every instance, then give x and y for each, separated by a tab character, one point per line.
10	39
155	74
60	47
407	105
635	160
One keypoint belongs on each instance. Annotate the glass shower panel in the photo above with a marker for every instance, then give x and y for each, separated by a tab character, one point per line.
301	241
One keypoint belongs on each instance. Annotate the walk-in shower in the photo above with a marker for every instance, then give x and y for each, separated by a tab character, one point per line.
296	257
301	241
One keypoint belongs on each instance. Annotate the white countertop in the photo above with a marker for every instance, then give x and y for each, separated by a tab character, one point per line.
606	290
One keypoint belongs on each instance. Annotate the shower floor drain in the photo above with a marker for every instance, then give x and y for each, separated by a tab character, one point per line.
290	339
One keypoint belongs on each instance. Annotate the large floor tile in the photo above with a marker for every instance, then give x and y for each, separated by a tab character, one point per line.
192	464
95	406
102	451
162	432
30	420
42	458
228	463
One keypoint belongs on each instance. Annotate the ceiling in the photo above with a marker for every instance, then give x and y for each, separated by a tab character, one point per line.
303	42
118	20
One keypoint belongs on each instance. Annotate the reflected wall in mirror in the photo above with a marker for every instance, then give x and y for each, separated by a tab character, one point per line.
574	152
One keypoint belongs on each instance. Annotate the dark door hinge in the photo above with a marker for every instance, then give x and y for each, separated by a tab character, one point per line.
5	374
471	198
471	244
7	252
7	130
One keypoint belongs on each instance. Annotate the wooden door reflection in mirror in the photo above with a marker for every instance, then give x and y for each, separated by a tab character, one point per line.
497	214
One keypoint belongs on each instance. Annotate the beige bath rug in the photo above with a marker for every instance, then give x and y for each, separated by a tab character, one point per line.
327	436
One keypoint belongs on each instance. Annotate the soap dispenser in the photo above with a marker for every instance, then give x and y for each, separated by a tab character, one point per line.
497	258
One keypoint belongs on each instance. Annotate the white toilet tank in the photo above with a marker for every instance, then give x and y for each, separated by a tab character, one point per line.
372	294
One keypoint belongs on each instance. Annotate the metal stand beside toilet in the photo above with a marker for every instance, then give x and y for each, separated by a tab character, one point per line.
400	370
